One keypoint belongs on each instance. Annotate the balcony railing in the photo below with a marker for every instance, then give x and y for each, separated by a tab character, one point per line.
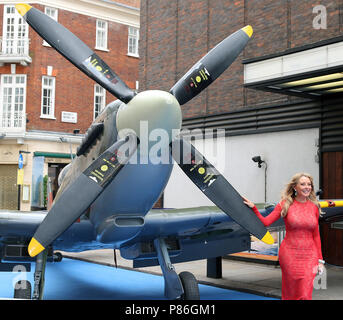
14	122
15	50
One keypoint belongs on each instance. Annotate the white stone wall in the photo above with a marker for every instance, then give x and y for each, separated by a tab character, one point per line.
286	153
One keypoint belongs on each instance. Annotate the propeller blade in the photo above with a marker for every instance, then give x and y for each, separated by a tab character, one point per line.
76	51
208	179
77	198
211	66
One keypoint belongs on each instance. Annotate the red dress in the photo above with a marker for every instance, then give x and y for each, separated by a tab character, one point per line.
300	249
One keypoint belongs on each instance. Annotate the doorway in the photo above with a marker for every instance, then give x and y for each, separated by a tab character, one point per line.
8	187
332	185
54	170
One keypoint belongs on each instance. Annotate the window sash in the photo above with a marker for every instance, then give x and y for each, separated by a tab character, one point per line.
13	101
99	99
15	33
133	40
101	34
53	14
48	97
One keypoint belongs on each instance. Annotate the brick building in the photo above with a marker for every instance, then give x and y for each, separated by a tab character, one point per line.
46	104
281	99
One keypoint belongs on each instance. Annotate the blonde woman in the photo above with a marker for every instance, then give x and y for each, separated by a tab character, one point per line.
300	254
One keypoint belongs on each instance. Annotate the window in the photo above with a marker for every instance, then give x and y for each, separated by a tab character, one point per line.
133	41
52	13
13	96
15	33
99	99
48	97
101	35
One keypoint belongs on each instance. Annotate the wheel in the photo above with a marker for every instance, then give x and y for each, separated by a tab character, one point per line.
22	290
190	286
57	257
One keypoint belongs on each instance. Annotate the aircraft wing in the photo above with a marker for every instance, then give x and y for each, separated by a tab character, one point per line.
191	234
200	232
18	227
19	224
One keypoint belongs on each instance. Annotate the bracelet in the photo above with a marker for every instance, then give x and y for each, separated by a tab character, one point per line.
321	261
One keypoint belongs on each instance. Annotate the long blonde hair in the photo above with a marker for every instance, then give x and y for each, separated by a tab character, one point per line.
288	194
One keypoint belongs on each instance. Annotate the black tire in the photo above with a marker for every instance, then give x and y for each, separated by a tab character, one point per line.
57	257
190	286
22	290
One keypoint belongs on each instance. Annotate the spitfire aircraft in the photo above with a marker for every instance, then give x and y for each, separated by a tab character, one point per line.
107	192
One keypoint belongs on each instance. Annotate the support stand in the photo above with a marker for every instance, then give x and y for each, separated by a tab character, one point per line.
173	288
214	268
39	275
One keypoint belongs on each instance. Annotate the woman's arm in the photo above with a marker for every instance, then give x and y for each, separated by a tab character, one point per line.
316	237
268	220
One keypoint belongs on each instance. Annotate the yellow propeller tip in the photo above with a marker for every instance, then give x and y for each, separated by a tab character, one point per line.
248	30
268	239
35	247
22	8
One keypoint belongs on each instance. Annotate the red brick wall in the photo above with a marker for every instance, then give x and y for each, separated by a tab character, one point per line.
74	90
131	3
175	34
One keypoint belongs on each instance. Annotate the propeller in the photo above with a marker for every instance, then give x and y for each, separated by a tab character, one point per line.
203	174
208	179
211	66
80	194
76	51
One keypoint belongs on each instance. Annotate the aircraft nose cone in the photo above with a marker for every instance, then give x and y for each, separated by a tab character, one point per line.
150	113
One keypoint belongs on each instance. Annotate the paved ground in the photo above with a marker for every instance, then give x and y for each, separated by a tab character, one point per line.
245	276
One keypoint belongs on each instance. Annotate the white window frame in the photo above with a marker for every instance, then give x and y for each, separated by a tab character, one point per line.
133	42
53	14
51	106
15	33
16	98
99	94
101	39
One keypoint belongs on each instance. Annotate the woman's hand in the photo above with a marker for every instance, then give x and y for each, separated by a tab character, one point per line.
248	202
321	268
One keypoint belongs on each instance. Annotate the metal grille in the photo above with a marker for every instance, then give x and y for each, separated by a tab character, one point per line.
8	187
261	119
332	125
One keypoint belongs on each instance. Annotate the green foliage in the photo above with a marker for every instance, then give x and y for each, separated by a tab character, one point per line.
45	190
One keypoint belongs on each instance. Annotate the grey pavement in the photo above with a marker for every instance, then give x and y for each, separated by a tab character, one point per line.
256	278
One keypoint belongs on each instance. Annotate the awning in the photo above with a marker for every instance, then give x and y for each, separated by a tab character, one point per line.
53	155
309	73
